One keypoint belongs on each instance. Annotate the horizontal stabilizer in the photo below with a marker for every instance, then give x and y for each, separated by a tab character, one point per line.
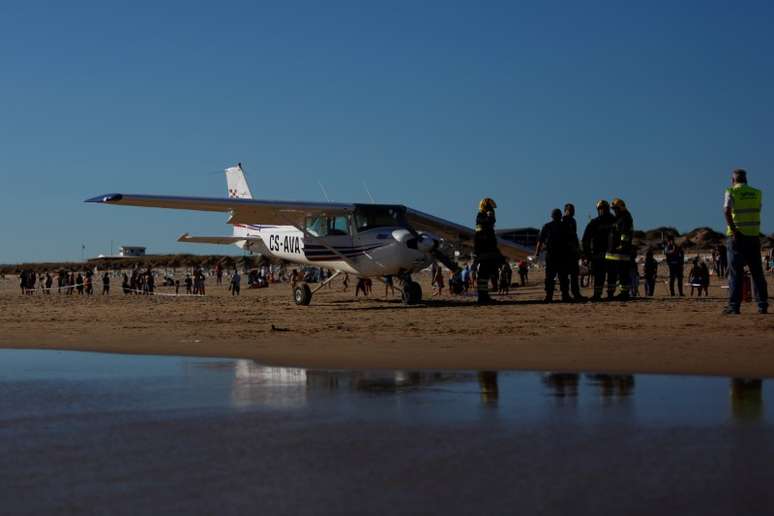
222	240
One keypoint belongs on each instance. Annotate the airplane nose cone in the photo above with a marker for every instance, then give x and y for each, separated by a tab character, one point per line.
426	243
405	237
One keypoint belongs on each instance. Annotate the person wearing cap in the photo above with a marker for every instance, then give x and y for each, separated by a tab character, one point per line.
595	241
742	209
620	250
486	253
553	239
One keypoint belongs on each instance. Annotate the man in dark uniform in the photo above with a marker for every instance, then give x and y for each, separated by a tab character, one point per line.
553	239
573	251
595	242
620	251
487	254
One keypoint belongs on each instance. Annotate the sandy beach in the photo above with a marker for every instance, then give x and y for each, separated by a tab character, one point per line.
658	335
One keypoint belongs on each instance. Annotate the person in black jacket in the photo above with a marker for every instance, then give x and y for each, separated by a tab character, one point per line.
595	241
553	239
650	271
487	254
619	253
675	259
573	251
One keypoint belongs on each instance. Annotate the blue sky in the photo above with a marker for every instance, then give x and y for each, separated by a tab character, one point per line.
432	104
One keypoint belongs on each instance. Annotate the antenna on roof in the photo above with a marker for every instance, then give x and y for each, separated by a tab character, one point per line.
369	193
323	191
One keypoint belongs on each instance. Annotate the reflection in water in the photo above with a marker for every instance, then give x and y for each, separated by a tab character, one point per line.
747	399
613	386
562	385
289	387
272	386
487	382
255	384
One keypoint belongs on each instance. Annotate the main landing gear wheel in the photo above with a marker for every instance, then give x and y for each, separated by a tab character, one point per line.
412	293
302	294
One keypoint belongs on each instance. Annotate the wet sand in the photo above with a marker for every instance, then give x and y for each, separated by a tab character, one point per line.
658	335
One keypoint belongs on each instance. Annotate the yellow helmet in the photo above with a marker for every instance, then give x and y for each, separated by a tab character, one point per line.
618	203
487	204
602	204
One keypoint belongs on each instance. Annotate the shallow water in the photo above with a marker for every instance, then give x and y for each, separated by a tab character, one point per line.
86	432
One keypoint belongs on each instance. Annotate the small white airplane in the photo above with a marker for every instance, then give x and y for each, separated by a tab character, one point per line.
365	240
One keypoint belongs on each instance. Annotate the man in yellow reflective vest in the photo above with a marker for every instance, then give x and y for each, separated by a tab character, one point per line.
742	207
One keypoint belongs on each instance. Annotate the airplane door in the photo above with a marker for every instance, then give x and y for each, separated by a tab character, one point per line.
339	233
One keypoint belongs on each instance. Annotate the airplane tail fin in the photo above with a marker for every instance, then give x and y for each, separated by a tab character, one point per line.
238	189
237	184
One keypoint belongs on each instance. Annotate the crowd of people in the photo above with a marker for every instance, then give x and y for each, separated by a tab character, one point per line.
608	250
605	256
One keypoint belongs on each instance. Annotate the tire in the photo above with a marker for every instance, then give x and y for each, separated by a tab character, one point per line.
412	293
302	294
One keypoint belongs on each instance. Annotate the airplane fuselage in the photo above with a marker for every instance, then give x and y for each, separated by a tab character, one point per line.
372	253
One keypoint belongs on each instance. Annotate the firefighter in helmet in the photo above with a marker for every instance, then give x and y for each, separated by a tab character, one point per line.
619	254
486	253
596	239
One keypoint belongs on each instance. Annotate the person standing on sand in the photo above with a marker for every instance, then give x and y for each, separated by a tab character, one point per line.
675	259
487	254
438	281
695	276
236	281
79	284
573	251
553	240
650	272
705	278
742	209
523	267
105	284
620	250
389	287
595	242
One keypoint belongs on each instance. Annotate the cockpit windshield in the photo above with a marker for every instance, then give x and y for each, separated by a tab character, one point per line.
370	217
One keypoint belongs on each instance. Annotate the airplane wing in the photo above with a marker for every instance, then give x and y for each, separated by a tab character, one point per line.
243	211
457	233
247	211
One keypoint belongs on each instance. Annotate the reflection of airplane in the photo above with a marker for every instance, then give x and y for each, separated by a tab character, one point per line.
288	387
271	386
366	240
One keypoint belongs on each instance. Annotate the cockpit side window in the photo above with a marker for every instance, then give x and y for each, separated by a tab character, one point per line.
370	217
322	225
338	225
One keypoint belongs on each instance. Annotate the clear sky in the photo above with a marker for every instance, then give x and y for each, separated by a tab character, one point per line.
432	104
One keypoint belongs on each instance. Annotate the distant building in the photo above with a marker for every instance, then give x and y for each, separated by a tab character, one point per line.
527	237
131	250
